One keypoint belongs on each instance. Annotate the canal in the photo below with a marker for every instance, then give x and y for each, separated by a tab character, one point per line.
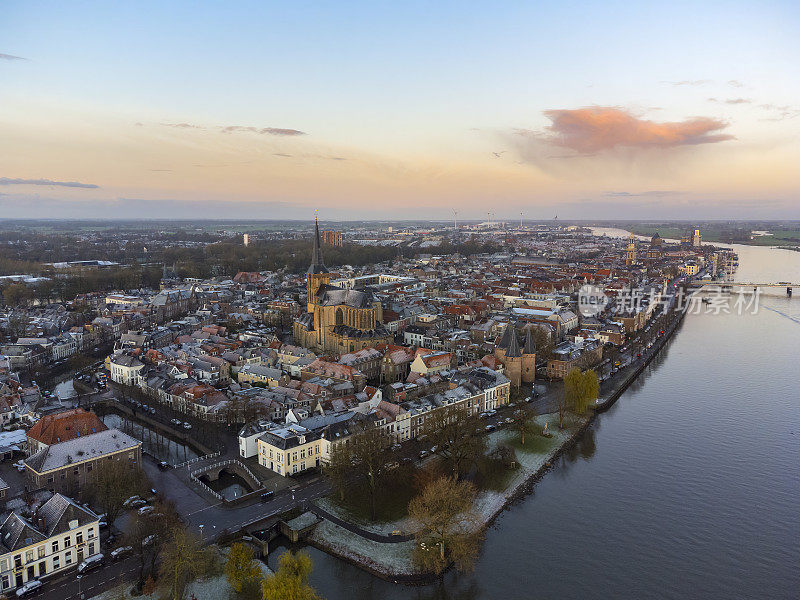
154	443
689	487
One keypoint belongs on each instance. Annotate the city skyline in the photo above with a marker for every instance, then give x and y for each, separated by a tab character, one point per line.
376	112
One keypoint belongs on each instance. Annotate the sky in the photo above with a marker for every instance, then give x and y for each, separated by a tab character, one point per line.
376	110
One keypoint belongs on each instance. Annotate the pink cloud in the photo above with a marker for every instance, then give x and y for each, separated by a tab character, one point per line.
594	129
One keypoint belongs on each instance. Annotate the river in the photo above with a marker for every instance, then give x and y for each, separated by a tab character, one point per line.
689	487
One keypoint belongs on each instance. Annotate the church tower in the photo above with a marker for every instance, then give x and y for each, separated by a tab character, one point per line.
513	359
630	253
528	359
317	274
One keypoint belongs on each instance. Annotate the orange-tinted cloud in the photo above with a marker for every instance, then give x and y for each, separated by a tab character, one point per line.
594	129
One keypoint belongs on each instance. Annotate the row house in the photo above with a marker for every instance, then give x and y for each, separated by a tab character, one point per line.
59	535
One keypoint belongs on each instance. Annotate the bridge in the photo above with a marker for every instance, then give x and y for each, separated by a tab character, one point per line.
729	285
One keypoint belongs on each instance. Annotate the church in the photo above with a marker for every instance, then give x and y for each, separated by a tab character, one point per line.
337	320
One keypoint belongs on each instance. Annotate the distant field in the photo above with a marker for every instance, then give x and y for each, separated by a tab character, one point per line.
777	237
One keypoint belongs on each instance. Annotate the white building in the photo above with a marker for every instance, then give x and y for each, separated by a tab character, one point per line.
60	535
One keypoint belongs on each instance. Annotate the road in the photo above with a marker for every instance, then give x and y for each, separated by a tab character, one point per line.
67	587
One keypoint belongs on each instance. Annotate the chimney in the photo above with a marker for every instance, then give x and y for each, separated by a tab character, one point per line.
41	523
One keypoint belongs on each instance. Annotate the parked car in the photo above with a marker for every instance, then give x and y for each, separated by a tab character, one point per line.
137	503
91	563
267	496
186	425
20	465
175	421
121	551
130	501
29	588
490	427
145	510
163	465
423	453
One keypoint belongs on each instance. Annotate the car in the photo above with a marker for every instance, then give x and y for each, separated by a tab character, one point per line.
20	465
186	425
396	447
28	588
508	420
490	427
392	465
267	496
407	460
137	503
102	524
423	453
130	501
149	540
145	510
121	551
163	465
90	563
154	491
434	449
175	421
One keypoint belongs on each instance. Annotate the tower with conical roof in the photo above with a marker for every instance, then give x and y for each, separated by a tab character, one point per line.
528	359
317	274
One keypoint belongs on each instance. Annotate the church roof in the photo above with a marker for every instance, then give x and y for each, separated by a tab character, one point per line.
329	295
530	348
513	346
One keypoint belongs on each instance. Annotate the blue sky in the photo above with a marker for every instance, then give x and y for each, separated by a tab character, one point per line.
427	106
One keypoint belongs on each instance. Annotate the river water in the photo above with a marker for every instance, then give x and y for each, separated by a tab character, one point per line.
689	487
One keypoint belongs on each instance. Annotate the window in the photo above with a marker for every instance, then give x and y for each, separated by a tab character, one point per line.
68	557
29	556
6	582
79	538
40	551
56	562
67	542
55	546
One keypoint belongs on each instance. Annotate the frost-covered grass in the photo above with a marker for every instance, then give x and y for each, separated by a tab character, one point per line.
382	527
391	559
216	587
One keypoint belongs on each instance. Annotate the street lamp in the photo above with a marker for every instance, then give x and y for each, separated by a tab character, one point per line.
79	577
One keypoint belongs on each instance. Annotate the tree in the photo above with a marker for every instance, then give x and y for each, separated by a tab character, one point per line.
16	294
114	482
339	469
523	421
448	529
455	431
184	559
147	534
290	581
542	341
240	569
580	388
370	456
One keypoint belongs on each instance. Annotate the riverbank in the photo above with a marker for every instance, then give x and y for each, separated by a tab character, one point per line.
392	561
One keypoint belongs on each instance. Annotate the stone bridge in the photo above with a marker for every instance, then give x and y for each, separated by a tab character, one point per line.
212	472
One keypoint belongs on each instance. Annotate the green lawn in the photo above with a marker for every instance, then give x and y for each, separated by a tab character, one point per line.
534	443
